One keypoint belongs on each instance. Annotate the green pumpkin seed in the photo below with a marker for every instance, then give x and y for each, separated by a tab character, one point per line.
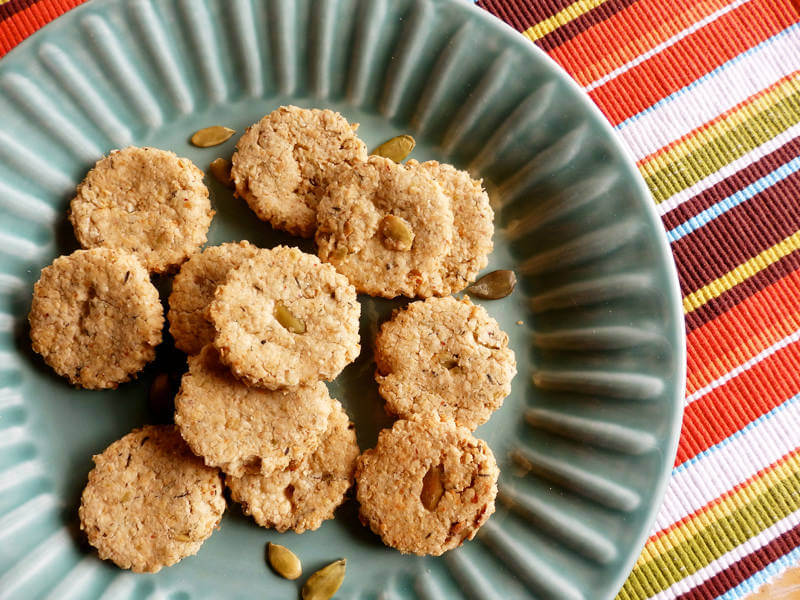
220	168
397	148
432	487
285	317
397	233
212	136
284	561
494	285
323	584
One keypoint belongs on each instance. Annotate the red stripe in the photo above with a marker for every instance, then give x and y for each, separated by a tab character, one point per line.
727	409
30	19
740	293
693	56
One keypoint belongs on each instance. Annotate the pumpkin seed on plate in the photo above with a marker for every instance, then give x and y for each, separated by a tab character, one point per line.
212	136
284	561
323	584
220	168
397	148
286	318
432	487
397	233
494	285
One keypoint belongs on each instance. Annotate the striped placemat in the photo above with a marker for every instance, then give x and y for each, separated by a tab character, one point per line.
706	93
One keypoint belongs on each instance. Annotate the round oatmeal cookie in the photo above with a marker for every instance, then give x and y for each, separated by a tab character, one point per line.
303	497
149	501
242	429
444	357
473	224
95	318
387	227
283	319
193	290
427	486
144	200
282	164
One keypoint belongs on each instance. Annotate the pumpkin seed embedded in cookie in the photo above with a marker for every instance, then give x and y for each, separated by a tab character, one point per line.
397	233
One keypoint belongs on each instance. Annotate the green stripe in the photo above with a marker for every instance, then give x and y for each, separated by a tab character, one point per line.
707	542
670	178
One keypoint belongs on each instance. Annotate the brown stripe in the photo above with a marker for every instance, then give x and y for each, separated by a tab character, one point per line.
584	22
751	286
738	235
745	567
13	7
735	182
522	15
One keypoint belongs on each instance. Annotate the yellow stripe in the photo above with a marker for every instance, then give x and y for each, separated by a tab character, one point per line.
741	273
737	118
573	11
725	508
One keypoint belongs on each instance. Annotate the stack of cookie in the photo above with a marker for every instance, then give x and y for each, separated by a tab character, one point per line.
443	365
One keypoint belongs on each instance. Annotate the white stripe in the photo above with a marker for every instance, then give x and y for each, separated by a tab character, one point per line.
729	169
735	372
665	44
727	559
711	97
718	470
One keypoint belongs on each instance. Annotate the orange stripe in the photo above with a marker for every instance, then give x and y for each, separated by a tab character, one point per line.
718	500
693	56
725	410
719	118
645	24
22	24
746	329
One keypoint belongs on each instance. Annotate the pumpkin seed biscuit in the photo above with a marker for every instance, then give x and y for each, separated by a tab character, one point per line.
387	227
149	501
283	319
473	223
427	486
95	318
242	429
282	164
144	200
302	498
444	357
193	290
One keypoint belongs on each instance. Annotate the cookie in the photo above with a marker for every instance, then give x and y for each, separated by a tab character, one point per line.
387	227
302	498
193	289
147	201
444	357
149	501
242	429
427	486
95	318
473	224
282	164
283	319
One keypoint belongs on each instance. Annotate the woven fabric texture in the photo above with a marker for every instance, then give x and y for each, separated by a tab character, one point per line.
706	94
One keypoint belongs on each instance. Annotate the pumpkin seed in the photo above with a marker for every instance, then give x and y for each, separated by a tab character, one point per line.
323	584
284	561
181	537
447	360
220	168
432	487
396	232
494	285
212	136
397	148
285	317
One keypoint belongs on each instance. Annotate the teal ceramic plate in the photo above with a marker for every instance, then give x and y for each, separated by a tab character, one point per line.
587	438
